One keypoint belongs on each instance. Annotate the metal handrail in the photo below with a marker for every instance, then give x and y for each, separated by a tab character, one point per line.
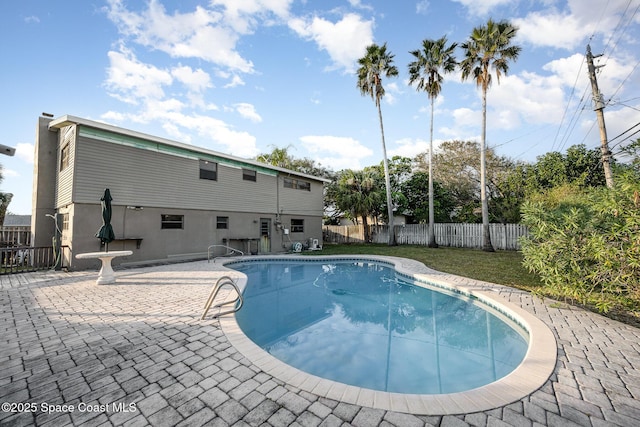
220	283
230	251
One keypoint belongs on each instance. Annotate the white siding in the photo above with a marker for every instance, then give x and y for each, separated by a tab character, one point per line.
64	185
146	178
301	202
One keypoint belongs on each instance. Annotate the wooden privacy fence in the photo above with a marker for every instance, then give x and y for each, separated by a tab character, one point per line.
503	236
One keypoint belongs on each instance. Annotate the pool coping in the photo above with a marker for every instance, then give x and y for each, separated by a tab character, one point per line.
532	373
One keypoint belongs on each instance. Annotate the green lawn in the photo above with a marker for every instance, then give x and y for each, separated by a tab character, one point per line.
502	267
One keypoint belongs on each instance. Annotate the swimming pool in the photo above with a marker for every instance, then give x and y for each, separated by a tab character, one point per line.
530	374
361	323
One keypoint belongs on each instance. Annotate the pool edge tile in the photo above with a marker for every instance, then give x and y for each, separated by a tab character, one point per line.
528	377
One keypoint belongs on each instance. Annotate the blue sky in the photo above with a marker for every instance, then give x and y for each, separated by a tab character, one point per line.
243	77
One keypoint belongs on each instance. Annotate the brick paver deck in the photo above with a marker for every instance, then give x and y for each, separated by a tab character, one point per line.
135	353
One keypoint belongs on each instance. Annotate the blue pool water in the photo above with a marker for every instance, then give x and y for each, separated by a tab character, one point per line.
362	324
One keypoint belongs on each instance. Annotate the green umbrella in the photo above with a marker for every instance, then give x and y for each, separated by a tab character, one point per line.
105	233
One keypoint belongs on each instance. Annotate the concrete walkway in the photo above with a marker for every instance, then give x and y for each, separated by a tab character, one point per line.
135	353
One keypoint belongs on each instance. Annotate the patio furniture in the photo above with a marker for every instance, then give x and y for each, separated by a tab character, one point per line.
106	274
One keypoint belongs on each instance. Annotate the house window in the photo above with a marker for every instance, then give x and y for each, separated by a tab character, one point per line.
65	222
249	175
297	225
64	157
298	184
222	222
172	221
208	170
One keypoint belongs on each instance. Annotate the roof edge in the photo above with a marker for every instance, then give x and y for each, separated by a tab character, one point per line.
68	120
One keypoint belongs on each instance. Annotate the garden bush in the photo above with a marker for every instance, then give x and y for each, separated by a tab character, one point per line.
585	243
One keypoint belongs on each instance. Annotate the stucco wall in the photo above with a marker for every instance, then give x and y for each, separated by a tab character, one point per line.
190	242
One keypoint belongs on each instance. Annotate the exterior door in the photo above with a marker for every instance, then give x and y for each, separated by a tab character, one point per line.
265	235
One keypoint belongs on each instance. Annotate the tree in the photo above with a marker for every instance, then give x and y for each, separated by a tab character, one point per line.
457	169
632	153
377	63
488	47
5	200
417	208
279	157
400	169
508	189
356	194
434	57
578	166
585	242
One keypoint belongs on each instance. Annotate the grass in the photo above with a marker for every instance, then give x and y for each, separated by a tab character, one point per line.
501	267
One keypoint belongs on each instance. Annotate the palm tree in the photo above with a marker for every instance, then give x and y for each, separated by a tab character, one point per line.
278	157
489	47
356	193
375	64
434	57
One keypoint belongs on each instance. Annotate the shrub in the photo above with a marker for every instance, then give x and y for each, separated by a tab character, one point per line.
585	243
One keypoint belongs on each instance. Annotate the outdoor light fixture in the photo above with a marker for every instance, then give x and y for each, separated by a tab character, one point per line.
8	151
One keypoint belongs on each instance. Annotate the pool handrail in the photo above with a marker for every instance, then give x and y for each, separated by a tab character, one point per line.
230	251
220	283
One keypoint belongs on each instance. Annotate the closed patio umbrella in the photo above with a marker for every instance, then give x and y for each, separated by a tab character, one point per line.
105	233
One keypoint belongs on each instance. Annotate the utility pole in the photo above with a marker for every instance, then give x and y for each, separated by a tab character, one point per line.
599	106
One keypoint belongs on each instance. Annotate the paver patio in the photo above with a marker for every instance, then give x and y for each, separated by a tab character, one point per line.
135	353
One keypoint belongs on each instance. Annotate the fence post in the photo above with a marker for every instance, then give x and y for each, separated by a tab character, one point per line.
447	234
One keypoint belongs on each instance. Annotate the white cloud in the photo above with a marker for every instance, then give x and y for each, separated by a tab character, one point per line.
357	4
130	80
335	151
344	145
481	7
409	147
567	69
190	35
535	98
552	29
235	81
344	41
25	151
195	80
114	116
212	132
466	118
391	90
573	26
243	15
186	35
158	109
248	111
422	7
32	19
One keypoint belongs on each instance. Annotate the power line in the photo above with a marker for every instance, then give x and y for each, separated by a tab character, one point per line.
628	106
575	83
636	125
574	119
624	140
625	79
624	29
